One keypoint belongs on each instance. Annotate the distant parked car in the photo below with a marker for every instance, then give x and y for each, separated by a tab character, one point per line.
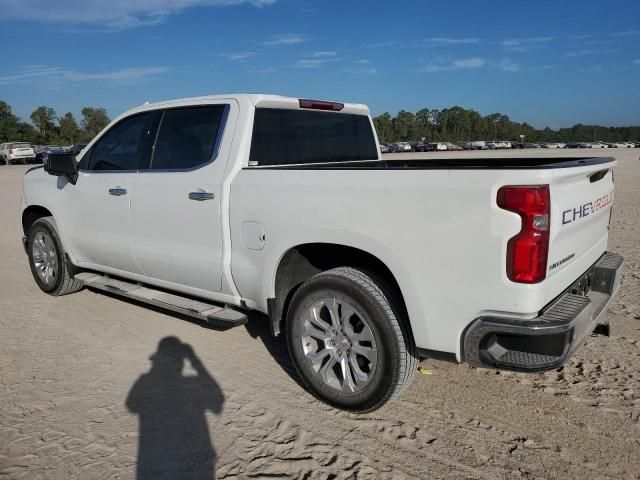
554	145
498	145
599	145
44	151
17	152
573	145
533	145
453	147
479	145
401	147
420	147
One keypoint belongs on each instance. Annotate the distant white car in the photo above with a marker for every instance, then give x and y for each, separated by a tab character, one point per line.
621	145
17	152
478	145
498	145
599	145
401	147
554	145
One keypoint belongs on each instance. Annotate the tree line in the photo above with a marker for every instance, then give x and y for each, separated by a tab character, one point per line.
461	124
449	124
47	128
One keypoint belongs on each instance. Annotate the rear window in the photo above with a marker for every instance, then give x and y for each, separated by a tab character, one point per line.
284	137
21	145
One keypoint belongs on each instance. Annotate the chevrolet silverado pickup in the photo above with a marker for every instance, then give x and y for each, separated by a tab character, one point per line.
218	205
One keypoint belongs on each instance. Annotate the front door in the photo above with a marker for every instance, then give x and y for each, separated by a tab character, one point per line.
96	210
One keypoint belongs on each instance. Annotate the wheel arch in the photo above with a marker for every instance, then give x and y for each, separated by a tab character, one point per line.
303	261
31	214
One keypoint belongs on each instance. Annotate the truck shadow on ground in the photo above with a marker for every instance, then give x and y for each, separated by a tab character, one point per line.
258	328
174	440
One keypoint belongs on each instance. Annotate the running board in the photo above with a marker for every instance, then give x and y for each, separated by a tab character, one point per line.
214	315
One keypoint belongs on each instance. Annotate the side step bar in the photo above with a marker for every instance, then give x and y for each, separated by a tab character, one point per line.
215	315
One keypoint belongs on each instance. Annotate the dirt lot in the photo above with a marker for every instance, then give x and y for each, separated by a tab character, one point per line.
77	398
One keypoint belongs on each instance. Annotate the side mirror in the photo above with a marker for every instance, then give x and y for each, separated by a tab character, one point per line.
62	165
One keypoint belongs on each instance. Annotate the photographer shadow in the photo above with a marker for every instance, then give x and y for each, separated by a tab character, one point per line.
174	441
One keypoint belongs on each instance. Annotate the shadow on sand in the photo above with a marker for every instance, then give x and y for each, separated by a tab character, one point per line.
174	441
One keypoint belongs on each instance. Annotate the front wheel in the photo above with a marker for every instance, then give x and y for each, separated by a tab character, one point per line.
46	259
349	339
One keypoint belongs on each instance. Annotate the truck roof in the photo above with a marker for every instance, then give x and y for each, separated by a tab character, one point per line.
259	100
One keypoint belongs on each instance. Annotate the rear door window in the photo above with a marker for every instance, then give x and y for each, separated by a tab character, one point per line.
187	137
126	146
283	136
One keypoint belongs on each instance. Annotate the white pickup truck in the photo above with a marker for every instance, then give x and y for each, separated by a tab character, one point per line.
216	205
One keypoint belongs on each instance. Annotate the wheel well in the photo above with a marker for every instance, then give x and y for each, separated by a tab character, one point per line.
31	214
304	261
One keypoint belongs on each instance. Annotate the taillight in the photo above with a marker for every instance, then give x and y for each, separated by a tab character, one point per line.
527	252
320	105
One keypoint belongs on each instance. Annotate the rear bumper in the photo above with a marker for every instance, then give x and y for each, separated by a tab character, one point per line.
545	342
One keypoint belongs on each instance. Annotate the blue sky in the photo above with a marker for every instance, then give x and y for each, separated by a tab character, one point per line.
549	62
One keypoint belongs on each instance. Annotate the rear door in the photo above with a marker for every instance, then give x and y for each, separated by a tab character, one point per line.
176	208
96	214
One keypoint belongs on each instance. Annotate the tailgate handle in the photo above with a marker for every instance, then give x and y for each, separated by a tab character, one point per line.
599	175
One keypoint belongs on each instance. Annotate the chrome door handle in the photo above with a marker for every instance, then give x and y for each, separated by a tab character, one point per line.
201	196
117	191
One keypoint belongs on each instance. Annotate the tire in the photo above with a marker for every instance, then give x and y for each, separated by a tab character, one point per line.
363	360
47	261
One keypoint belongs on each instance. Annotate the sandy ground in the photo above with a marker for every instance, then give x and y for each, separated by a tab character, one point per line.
78	398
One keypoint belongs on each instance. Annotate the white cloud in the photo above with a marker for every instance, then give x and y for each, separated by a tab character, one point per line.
451	41
363	71
522	45
324	54
264	71
315	62
240	56
636	61
587	51
514	42
581	37
628	33
508	66
460	64
389	43
592	68
474	62
116	14
285	39
363	62
59	73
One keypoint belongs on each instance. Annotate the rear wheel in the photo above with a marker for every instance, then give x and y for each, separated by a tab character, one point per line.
46	259
349	340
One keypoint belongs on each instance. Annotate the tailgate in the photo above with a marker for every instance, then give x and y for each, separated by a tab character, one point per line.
23	151
581	200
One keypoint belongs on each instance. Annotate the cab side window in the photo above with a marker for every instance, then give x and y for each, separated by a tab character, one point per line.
187	137
126	146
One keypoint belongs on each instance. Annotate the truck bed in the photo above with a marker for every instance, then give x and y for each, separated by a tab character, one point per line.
527	163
